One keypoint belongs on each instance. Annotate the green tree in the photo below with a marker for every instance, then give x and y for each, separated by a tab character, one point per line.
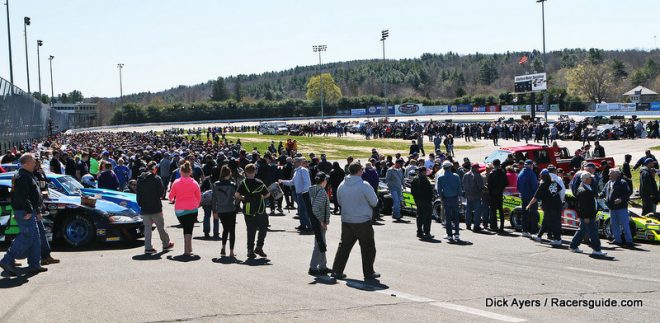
618	70
238	91
639	77
595	56
488	72
331	92
590	81
460	92
75	96
63	98
220	92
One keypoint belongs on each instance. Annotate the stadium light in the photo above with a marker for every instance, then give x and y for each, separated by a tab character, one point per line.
26	22
319	49
39	44
11	65
52	91
384	34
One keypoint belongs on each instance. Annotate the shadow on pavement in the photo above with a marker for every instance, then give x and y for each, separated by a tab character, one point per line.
203	238
370	285
146	256
460	243
507	234
484	232
257	262
226	260
184	258
606	258
8	282
275	230
430	240
324	279
100	246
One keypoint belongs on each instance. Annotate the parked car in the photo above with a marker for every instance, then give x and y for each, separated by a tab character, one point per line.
67	220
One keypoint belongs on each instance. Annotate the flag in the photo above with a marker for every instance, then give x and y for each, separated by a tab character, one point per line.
523	60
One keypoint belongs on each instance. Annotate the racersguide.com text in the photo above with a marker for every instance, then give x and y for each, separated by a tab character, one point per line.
562	303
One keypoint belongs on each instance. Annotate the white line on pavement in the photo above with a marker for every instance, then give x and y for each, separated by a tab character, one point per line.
474	311
614	274
450	306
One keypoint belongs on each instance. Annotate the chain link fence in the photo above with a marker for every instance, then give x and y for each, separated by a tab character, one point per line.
23	118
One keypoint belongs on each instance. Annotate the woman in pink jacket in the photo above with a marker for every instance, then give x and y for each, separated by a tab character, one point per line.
186	196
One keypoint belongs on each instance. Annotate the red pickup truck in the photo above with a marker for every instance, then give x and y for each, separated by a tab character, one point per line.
543	156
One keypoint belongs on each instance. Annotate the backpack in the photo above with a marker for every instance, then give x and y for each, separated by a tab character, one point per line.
253	203
207	198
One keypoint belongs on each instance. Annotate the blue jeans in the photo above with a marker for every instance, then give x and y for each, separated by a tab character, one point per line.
26	243
303	213
397	198
587	228
45	246
619	218
208	213
453	219
530	219
473	205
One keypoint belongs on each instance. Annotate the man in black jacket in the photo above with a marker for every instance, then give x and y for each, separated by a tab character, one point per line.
648	188
26	202
422	192
497	182
587	209
149	191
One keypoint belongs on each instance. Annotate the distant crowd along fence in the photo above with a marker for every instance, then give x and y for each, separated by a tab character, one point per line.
23	118
413	109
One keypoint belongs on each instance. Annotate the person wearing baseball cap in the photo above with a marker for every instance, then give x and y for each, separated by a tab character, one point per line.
527	186
587	209
394	179
448	185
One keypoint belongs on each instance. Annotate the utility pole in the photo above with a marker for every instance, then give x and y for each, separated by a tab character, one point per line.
384	34
545	93
11	65
39	44
121	90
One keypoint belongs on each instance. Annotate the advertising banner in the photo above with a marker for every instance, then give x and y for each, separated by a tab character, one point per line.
358	112
436	109
655	106
493	108
464	108
554	107
478	109
507	108
379	111
531	82
616	107
409	109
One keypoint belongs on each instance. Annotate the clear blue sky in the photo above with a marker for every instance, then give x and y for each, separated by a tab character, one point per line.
165	43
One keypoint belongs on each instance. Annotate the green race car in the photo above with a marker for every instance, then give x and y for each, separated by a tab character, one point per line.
642	227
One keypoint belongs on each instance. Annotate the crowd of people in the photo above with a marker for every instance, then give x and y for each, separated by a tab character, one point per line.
204	169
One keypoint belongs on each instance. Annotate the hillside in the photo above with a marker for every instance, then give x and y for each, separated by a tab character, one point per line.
432	76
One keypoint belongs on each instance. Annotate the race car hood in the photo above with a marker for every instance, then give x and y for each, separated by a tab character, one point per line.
116	194
102	205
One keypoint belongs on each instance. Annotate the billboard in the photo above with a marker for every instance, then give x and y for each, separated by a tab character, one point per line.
507	108
616	107
531	82
492	108
409	109
478	109
436	109
379	111
358	112
655	106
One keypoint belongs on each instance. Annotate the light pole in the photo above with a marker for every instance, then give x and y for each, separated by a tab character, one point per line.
384	34
39	44
26	22
121	90
319	49
545	93
52	90
11	65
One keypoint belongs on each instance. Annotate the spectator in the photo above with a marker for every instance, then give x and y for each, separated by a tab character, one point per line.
123	174
301	181
642	161
252	193
549	195
186	195
422	191
527	187
587	209
337	176
449	188
473	185
149	191
648	188
617	195
108	179
320	220
224	208
394	180
496	184
357	199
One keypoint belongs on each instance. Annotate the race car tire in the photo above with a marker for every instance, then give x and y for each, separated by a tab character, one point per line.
78	231
607	230
516	219
438	214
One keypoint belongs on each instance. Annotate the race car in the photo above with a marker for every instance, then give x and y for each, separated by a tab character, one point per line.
69	186
68	221
642	227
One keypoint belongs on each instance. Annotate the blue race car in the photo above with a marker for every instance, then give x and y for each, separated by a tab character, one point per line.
69	186
76	225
